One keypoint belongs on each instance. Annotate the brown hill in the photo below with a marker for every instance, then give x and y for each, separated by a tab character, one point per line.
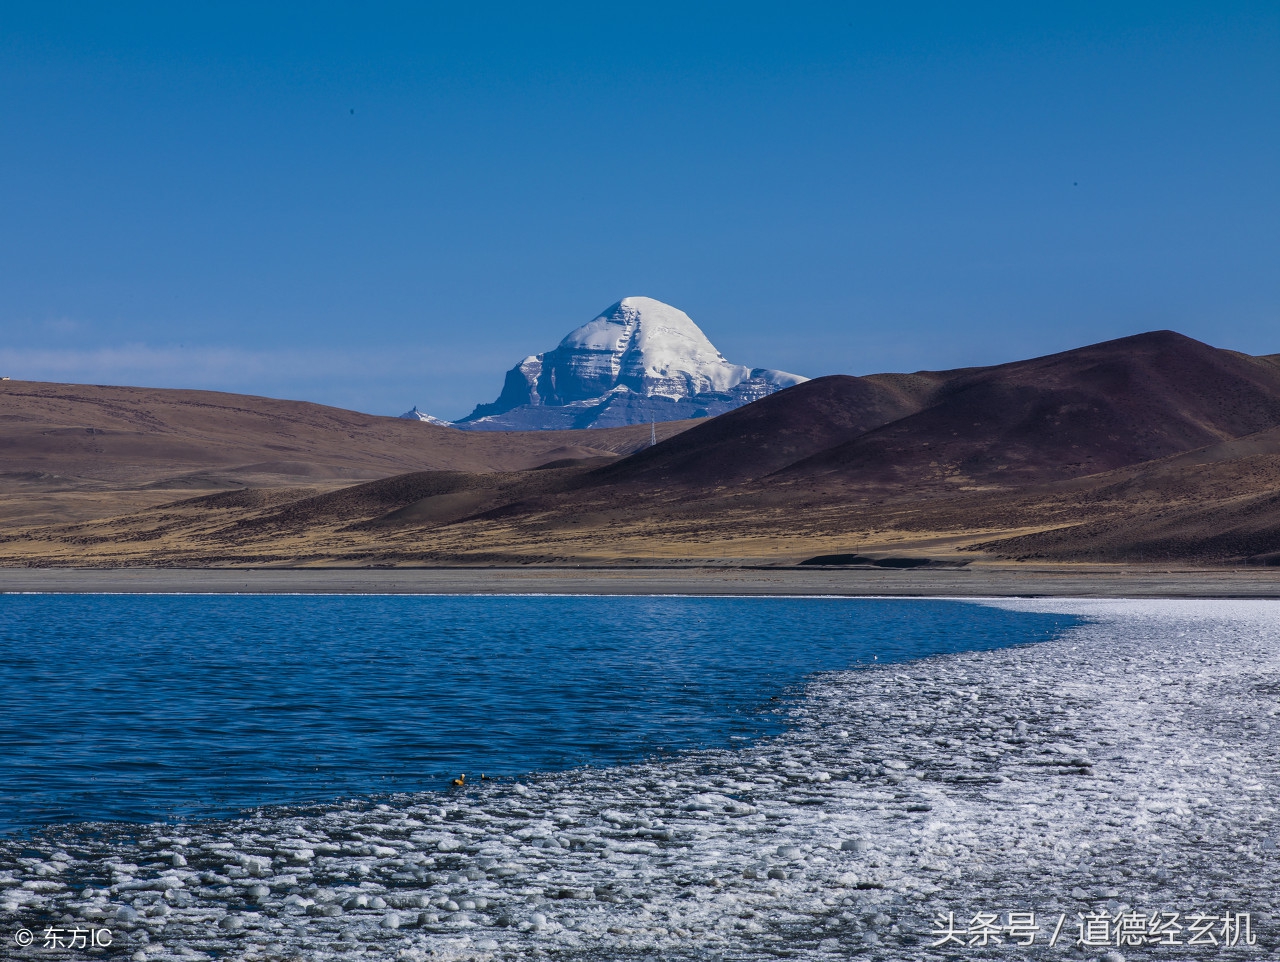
1243	530
775	431
1220	503
1066	415
205	439
71	452
1153	448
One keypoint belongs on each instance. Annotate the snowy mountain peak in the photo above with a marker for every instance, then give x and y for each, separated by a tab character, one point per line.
640	360
413	414
649	347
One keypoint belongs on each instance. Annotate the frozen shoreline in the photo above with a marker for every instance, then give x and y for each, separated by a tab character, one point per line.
1131	764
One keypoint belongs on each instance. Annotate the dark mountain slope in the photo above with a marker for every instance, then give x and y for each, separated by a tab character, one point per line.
1066	415
1240	530
773	432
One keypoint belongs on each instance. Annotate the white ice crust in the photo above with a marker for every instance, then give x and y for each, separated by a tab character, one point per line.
1129	766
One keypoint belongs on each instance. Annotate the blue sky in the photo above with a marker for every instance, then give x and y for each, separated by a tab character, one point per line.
380	205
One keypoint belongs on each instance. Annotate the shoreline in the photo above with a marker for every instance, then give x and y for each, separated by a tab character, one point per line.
986	581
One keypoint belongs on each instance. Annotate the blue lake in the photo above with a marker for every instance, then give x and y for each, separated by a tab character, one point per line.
141	708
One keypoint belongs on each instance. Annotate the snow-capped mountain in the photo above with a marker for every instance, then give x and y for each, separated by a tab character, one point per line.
641	360
413	414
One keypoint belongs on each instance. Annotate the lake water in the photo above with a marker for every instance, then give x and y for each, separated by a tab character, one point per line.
139	708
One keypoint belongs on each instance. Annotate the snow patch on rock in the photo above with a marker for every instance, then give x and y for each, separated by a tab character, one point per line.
413	414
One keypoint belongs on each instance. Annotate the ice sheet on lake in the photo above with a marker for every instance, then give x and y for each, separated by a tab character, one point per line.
1131	764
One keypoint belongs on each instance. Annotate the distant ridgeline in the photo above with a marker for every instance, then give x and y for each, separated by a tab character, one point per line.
639	361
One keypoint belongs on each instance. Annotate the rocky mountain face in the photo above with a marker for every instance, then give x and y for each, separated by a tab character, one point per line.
639	361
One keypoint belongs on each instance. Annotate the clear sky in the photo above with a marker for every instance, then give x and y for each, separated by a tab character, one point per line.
380	205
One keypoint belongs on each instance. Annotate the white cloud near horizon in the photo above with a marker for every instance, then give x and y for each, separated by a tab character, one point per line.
367	379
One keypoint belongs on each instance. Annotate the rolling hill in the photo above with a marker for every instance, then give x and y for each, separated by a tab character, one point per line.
72	451
1153	448
159	436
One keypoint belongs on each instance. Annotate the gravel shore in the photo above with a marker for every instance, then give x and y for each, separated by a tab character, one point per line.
974	581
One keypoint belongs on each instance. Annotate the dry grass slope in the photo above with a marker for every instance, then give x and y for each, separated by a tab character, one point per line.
1153	449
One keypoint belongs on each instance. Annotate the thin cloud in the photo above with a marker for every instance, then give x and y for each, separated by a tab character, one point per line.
192	366
382	380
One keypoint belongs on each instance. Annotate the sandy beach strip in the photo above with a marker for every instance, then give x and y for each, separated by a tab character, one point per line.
975	581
